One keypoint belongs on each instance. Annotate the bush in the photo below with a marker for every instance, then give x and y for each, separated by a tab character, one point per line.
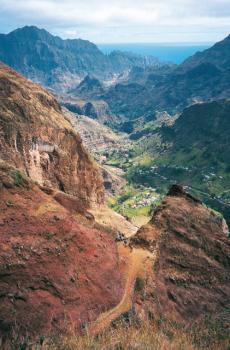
18	178
139	284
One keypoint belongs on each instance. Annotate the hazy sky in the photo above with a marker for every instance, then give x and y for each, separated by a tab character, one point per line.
122	20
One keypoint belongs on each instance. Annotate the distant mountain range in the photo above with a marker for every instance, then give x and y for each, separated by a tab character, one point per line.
142	89
131	85
202	77
62	64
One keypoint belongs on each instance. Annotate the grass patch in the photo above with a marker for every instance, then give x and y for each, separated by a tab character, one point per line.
136	335
18	178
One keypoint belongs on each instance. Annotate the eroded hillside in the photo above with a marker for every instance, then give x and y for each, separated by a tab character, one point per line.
38	139
58	271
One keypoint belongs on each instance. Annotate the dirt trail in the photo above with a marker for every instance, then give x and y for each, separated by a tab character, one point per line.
135	260
109	218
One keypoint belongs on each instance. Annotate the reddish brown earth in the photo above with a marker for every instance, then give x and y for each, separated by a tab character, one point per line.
55	273
36	138
58	268
191	272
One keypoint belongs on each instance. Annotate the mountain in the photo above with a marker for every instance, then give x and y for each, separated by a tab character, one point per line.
95	109
193	151
61	64
189	278
205	128
89	87
56	274
37	138
218	56
129	60
202	77
48	59
69	266
55	271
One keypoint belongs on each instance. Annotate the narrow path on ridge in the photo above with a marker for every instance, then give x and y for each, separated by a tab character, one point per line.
136	259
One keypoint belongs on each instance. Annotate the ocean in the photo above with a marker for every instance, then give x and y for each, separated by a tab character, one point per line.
175	53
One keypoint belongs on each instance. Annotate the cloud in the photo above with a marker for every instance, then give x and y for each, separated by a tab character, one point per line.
122	21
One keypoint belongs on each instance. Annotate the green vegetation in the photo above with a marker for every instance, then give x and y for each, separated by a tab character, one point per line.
139	284
135	201
18	177
49	235
165	150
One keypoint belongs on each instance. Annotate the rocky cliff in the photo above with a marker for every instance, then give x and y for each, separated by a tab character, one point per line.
38	139
190	278
57	271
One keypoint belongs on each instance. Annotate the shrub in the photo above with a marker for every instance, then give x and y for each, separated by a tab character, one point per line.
18	178
139	284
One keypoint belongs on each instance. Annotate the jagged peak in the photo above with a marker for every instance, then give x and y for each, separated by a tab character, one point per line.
179	191
30	29
33	33
41	33
90	79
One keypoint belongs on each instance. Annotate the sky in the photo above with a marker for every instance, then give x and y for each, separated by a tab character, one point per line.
122	21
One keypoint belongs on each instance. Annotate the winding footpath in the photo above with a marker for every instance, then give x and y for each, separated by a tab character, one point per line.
136	260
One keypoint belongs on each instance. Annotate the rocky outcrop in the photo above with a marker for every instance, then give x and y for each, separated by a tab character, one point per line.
97	110
89	87
38	139
57	272
190	277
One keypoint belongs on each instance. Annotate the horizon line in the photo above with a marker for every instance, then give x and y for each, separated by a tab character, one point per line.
157	43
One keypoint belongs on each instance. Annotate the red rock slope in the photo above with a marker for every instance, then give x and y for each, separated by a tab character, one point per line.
191	273
36	137
55	273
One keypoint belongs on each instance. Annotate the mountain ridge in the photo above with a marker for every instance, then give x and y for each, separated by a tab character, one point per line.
61	63
202	77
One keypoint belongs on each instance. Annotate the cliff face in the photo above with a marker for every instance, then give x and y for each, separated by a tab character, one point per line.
36	137
58	269
57	272
191	269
